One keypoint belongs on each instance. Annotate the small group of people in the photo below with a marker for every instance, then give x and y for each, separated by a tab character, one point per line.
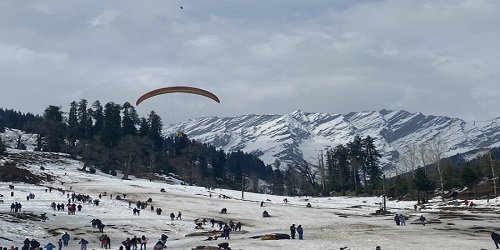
15	207
105	241
235	226
179	216
34	244
30	196
299	230
400	219
72	207
98	223
131	244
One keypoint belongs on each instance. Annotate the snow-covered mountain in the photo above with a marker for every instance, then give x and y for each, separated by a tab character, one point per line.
301	136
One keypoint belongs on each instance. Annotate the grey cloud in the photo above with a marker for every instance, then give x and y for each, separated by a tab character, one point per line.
436	57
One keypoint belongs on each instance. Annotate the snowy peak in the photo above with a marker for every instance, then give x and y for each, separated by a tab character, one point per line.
300	136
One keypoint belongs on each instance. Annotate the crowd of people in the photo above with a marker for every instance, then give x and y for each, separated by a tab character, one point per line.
133	243
75	202
71	207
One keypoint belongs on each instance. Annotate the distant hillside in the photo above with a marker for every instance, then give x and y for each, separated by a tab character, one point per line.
301	136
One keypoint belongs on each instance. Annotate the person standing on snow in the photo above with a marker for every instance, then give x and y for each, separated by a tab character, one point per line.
226	232
300	231
65	238
83	244
402	220
292	231
396	219
26	244
144	241
59	244
163	239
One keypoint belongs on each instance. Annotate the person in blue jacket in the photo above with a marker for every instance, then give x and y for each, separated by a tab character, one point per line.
65	239
50	246
300	231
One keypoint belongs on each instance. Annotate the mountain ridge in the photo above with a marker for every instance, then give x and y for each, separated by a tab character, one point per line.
299	136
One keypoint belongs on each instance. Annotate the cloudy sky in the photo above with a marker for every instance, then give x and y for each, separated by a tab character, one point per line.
258	56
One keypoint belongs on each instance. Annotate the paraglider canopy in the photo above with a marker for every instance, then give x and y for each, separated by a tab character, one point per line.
177	89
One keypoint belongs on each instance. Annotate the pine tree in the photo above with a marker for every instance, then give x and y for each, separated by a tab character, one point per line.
399	188
144	127
130	119
339	171
291	182
469	177
3	148
277	182
357	161
53	128
110	133
84	120
422	182
155	129
219	163
98	116
372	161
72	134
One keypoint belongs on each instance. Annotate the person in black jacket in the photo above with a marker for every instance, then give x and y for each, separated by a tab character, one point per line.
496	238
292	231
26	245
226	232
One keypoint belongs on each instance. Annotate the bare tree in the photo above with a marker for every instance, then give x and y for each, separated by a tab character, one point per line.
409	159
436	151
424	154
308	172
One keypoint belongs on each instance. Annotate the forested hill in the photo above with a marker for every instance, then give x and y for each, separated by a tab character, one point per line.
112	137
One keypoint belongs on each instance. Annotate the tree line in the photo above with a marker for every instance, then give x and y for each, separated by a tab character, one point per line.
114	139
422	171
